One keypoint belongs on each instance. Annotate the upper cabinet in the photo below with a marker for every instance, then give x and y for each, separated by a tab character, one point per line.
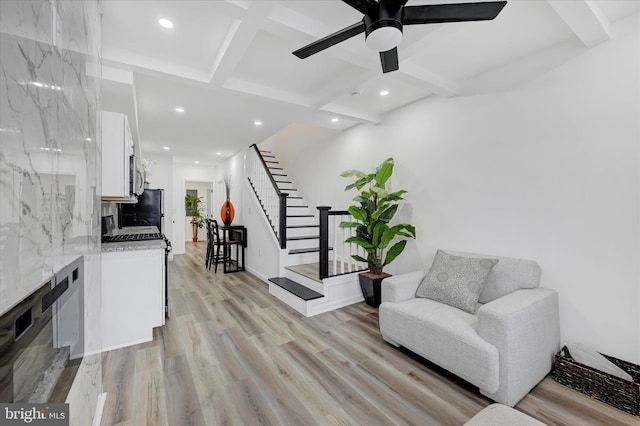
121	180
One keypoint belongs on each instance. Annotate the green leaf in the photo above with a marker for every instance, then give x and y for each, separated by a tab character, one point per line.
349	224
358	213
378	231
352	172
358	184
366	204
359	258
387	237
359	241
384	173
388	214
394	196
380	192
395	251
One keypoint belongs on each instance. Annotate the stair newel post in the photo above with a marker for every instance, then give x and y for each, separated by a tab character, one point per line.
324	241
283	219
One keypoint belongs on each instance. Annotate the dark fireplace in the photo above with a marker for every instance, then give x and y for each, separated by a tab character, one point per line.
40	337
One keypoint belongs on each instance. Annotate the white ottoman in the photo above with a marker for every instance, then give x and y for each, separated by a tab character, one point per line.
501	415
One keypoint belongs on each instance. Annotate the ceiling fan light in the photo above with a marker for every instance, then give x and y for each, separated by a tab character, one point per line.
384	38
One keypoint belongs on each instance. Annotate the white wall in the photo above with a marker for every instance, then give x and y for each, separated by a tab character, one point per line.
548	171
181	174
262	252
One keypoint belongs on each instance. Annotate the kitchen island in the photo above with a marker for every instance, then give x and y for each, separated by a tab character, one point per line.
133	289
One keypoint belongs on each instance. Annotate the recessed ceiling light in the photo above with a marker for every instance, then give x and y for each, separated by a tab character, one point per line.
197	162
166	148
335	119
165	23
179	109
218	153
88	139
257	123
38	84
384	92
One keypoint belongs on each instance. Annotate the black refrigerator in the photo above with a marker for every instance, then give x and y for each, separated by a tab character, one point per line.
148	211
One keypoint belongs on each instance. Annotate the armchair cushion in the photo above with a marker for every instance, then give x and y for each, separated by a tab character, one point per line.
509	275
455	280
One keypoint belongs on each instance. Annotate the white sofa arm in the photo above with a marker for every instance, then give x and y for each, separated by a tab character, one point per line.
525	328
401	287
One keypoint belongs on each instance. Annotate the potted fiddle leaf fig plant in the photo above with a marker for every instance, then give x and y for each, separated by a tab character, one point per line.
192	203
382	241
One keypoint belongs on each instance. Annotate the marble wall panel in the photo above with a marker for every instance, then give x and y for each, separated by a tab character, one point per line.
49	162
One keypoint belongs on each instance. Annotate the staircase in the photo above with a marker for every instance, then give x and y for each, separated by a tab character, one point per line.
297	229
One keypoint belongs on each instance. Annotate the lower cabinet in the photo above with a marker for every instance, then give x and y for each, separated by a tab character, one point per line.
132	296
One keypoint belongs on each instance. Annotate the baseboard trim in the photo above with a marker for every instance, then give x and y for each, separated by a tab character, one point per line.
97	415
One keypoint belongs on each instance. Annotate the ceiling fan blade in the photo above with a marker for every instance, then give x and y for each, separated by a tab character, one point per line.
389	60
330	40
363	6
393	4
459	12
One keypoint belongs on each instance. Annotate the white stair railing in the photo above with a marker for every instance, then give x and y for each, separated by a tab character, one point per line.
339	260
272	200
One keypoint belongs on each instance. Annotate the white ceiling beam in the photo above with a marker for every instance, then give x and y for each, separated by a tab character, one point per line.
238	39
585	19
435	83
267	92
351	113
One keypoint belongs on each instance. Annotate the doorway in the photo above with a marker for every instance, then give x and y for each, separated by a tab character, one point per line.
204	191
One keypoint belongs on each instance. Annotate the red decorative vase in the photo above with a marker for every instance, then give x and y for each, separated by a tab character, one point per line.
227	212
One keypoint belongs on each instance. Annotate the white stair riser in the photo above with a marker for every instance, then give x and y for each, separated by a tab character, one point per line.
339	292
296	202
298	210
304	281
298	244
295	221
300	232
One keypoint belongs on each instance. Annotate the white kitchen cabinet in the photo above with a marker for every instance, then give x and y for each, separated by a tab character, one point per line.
117	149
132	296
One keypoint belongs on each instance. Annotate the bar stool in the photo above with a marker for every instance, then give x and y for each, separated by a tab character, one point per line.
216	256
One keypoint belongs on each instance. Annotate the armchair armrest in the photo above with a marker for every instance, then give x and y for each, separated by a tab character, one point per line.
525	328
401	287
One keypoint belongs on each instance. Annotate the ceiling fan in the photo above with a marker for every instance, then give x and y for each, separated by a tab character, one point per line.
383	20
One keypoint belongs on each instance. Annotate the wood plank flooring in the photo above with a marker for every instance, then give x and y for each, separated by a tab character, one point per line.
231	354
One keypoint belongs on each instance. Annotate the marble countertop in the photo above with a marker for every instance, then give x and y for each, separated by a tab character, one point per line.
134	245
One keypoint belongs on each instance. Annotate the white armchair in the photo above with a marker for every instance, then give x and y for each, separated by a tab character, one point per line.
505	348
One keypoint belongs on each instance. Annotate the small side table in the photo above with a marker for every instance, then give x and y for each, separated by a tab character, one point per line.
233	235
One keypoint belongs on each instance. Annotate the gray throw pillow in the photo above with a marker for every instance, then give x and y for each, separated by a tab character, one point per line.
455	280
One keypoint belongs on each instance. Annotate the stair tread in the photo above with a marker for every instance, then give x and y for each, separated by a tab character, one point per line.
295	207
306	250
293	287
304	237
299	215
303	226
275	168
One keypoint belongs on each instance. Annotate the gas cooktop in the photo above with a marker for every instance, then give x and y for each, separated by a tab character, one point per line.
132	237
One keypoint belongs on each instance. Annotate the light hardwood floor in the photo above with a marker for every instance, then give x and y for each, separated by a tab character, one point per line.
231	354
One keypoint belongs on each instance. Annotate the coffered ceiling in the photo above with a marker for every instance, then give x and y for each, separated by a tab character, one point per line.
229	64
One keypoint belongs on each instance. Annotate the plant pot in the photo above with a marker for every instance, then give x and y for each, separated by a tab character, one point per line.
194	232
370	285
